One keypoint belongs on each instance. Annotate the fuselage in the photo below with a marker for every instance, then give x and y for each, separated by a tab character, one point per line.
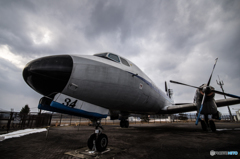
114	85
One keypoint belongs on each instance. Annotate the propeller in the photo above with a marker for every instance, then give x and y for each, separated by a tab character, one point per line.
200	109
227	94
212	72
184	84
206	90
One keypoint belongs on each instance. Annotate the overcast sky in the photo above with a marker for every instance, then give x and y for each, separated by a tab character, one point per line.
167	39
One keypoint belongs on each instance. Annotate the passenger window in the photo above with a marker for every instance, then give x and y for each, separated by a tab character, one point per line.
124	62
114	57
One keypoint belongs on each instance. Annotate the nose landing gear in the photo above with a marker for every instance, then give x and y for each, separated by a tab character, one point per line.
98	141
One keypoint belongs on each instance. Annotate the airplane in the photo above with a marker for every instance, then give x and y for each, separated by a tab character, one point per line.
108	84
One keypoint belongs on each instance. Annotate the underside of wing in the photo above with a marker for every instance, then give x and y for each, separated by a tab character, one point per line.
228	101
179	108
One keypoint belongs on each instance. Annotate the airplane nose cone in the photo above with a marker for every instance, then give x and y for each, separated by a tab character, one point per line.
48	75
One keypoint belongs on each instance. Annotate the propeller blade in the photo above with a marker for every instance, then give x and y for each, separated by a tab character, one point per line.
200	109
212	72
227	94
184	84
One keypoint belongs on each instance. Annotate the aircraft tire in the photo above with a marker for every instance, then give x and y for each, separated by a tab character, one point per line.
212	125
122	123
90	141
126	124
204	125
102	142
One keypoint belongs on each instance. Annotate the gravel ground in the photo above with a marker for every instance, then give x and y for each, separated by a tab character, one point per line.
165	140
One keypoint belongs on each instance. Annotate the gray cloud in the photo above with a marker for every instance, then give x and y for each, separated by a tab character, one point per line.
176	40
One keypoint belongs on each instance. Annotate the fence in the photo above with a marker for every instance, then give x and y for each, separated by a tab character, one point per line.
13	120
65	120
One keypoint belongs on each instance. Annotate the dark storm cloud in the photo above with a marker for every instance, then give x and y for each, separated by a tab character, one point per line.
176	40
22	19
13	28
106	18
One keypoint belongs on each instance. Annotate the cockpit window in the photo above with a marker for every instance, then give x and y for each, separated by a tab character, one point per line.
124	61
114	57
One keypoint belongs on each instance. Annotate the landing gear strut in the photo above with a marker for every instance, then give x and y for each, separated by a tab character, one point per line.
206	124
98	141
124	123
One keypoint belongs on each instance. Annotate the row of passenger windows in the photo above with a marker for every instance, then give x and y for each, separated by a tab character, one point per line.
113	57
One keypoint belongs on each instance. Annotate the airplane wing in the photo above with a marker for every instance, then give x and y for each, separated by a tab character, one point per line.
180	108
228	101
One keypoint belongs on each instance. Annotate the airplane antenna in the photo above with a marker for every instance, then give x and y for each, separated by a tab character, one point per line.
220	83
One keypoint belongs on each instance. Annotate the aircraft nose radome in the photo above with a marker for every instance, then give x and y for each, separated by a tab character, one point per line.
48	75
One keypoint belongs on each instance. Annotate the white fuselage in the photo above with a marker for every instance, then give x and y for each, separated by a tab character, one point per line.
112	85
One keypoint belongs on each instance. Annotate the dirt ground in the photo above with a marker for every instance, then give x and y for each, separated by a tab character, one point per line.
165	140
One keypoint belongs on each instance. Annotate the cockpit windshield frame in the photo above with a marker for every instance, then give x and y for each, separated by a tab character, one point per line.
124	62
113	57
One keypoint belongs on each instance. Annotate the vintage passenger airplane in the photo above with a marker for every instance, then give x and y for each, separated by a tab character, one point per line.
107	84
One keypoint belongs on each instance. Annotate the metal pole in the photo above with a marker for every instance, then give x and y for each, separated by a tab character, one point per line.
9	122
135	118
60	120
79	123
220	83
71	120
50	120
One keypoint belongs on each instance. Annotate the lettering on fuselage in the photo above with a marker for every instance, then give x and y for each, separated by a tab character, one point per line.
69	103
